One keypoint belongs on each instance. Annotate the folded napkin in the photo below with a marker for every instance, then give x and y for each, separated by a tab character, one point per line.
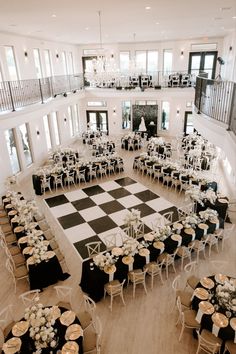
199	316
215	330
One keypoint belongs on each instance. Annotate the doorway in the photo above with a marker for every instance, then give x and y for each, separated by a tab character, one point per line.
98	120
202	62
87	63
188	123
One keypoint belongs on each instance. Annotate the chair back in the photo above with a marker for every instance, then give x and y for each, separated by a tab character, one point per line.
64	293
6	317
206	346
179	307
93	248
90	305
30	297
169	217
116	289
175	283
190	267
138	277
110	241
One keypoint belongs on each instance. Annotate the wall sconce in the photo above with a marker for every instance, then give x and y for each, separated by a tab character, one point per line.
230	48
26	54
65	94
57	55
38	132
182	53
65	120
178	111
114	110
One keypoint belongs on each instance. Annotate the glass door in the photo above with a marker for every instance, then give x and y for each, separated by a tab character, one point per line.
188	123
98	120
200	62
88	67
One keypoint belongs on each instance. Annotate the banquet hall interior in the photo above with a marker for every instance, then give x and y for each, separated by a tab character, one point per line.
118	177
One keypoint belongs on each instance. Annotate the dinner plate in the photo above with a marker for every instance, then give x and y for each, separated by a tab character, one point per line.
23	239
206	307
49	254
109	269
33	225
214	220
221	278
220	320
70	347
67	318
233	323
189	231
128	260
207	283
73	332
149	236
159	245
223	201
12	212
203	226
201	293
12	345
18	229
56	312
38	232
144	252
30	261
117	251
176	237
177	226
9	206
20	328
6	200
28	250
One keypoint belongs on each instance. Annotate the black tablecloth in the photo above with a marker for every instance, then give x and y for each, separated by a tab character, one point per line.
28	347
221	208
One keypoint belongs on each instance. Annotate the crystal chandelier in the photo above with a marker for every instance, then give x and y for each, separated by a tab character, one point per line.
104	71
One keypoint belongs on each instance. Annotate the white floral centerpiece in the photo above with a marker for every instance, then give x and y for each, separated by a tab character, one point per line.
208	214
191	220
102	260
162	233
39	248
41	324
198	196
226	295
130	247
132	217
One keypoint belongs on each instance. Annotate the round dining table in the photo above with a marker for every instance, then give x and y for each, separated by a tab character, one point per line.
69	335
214	299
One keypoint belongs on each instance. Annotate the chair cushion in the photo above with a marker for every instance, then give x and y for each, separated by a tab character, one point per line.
89	340
189	318
185	297
85	319
21	272
66	305
11	238
108	287
210	337
48	234
231	346
8	329
59	255
152	268
14	250
192	281
19	259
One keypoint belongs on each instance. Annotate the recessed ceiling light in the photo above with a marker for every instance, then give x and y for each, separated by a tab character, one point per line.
157	23
148	8
54	15
234	17
86	28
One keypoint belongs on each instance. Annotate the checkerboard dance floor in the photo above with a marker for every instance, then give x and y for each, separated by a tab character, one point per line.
91	213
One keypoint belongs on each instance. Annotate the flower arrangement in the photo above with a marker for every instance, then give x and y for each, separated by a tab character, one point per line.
38	247
210	195
162	233
41	324
102	260
198	196
132	217
226	295
208	214
130	247
191	220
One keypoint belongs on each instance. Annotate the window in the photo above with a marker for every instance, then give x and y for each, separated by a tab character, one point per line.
126	115
124	62
167	61
200	62
55	126
64	63
152	61
70	121
24	133
70	64
37	63
76	117
96	104
1	76
151	103
12	150
48	63
47	132
11	64
165	115
140	59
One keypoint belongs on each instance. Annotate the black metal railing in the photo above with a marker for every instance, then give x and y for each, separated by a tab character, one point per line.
214	98
18	94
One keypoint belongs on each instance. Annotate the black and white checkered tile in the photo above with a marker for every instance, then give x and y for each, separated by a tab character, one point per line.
94	212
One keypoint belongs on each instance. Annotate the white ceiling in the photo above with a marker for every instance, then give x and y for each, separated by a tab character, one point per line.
76	21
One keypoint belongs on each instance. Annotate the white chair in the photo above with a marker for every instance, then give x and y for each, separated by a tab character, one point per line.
230	346
87	315
186	318
227	233
192	279
80	176
185	252
166	179
7	320
58	181
184	296
92	338
169	260
153	269
43	225
46	183
48	234
92	173
199	246
64	296
30	297
93	248
137	276
111	167
158	223
184	185
102	170
114	288
168	217
110	241
212	240
208	342
18	273
175	182
119	167
70	178
157	173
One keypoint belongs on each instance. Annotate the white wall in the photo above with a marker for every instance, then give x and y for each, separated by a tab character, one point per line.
26	66
229	56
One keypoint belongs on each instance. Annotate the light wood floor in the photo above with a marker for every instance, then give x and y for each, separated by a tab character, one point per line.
146	324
